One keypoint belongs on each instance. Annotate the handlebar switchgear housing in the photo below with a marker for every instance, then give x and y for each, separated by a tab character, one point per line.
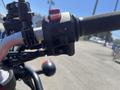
59	33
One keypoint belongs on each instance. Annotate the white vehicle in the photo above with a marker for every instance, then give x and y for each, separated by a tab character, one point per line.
93	39
97	40
101	41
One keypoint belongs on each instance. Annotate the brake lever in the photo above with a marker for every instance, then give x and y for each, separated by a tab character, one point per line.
15	58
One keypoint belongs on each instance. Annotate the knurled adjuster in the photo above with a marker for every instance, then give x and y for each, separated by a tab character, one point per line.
29	37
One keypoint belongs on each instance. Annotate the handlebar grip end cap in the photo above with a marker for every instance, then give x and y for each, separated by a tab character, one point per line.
49	68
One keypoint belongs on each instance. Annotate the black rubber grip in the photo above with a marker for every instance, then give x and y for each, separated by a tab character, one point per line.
100	23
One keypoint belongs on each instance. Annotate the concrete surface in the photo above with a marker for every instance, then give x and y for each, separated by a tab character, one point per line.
91	68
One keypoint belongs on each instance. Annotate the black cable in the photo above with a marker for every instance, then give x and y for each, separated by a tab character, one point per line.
116	5
36	78
95	7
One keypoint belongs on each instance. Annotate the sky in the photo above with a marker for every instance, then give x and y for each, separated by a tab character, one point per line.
77	7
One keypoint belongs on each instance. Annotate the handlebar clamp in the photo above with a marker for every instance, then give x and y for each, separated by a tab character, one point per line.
29	37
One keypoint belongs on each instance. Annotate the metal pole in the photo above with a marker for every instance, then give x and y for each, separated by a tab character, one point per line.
50	3
50	6
95	7
3	3
116	5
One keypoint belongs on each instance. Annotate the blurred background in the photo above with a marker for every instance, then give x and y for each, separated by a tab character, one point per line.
80	8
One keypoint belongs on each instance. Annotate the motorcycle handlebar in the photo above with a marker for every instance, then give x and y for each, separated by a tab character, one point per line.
16	39
63	29
58	35
99	23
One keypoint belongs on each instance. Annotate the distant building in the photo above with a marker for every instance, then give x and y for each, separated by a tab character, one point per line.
1	27
37	20
1	30
1	21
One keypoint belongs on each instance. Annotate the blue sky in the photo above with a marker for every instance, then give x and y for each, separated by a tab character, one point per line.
77	7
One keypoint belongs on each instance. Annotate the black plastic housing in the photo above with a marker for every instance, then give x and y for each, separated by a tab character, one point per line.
59	37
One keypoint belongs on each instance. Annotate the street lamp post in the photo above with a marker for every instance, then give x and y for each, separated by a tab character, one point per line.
95	7
51	3
116	5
